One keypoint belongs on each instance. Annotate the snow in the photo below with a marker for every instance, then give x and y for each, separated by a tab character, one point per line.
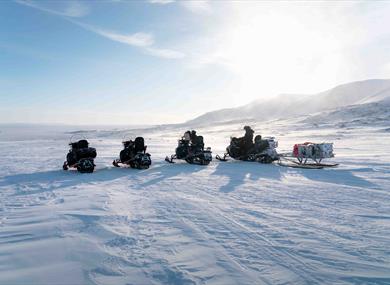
226	223
367	114
290	105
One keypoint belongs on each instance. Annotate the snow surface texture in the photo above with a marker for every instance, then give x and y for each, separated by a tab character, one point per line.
226	223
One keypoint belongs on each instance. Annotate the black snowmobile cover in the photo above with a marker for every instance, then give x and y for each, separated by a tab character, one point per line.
139	144
79	144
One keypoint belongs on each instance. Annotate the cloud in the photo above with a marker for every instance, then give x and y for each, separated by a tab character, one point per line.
76	9
161	2
73	9
139	39
165	53
197	7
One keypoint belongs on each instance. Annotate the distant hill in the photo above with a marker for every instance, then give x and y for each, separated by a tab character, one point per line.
373	113
289	105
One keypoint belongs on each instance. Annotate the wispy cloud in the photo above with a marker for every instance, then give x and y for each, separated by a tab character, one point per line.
198	7
141	40
165	53
161	2
74	9
194	6
137	39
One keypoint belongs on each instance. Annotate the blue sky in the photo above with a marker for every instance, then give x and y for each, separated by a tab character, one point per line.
161	61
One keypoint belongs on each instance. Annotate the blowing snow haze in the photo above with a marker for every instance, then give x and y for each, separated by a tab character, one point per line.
362	94
157	62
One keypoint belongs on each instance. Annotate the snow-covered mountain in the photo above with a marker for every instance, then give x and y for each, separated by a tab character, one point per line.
375	113
288	105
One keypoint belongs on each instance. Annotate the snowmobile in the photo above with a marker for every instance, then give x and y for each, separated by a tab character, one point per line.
134	154
263	150
80	156
308	155
192	151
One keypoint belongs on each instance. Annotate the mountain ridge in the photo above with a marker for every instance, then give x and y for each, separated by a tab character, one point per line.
289	105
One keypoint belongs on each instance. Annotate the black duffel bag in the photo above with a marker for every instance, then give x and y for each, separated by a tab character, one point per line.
88	152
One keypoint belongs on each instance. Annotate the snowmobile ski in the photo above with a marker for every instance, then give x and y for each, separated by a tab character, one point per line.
115	162
222	158
170	160
324	165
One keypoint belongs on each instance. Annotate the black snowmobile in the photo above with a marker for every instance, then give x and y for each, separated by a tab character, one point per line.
134	154
191	149
80	156
262	150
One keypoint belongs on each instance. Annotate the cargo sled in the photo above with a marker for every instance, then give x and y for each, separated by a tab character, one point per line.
308	155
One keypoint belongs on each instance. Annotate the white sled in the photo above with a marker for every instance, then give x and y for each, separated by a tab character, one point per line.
308	155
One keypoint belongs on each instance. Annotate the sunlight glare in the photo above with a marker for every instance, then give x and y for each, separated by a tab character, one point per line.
267	48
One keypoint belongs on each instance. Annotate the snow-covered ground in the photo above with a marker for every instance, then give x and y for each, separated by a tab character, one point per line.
226	223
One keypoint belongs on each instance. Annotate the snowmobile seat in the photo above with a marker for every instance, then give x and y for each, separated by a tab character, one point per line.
128	144
184	142
187	136
74	145
261	145
139	145
198	142
86	152
82	144
79	144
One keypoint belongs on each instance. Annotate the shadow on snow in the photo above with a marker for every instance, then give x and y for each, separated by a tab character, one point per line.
236	171
239	171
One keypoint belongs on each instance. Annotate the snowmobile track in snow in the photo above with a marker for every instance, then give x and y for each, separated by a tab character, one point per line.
226	223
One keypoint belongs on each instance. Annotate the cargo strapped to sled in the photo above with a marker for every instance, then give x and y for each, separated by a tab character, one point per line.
308	151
